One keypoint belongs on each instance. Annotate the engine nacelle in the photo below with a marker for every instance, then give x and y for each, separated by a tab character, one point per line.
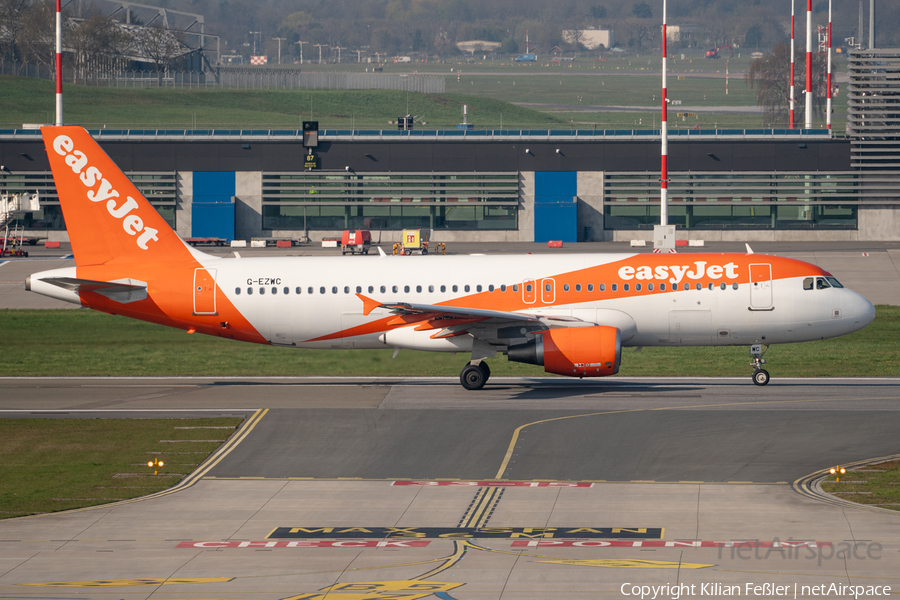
573	351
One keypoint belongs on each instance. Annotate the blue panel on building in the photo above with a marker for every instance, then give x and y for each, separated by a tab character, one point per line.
555	183
213	219
219	184
555	206
556	220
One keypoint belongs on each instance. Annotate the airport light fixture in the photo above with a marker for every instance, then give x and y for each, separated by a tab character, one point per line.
838	470
155	464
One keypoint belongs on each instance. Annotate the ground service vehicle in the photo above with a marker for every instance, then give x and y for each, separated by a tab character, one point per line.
572	314
356	241
526	58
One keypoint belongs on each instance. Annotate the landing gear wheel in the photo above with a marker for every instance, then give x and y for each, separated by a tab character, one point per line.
487	371
473	377
760	377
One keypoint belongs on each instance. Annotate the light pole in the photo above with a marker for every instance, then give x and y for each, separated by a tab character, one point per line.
280	39
301	50
319	46
254	34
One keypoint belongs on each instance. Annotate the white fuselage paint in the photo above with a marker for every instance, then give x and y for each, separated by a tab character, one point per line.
695	317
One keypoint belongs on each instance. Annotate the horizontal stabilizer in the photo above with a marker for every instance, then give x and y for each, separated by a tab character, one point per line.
120	290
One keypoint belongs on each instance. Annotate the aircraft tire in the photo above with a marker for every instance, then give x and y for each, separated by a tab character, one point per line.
487	371
760	377
472	377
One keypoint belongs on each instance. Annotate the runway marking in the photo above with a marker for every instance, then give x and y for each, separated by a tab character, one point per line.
132	582
481	508
627	563
410	533
517	432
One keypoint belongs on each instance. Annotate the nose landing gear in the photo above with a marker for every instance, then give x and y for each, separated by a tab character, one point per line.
475	375
760	375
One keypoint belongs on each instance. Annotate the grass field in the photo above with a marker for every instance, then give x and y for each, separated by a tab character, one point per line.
24	100
874	485
58	464
558	91
82	342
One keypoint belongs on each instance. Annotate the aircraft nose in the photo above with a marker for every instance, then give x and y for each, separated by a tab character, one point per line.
861	310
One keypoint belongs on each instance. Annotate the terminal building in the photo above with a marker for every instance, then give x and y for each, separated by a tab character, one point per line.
469	185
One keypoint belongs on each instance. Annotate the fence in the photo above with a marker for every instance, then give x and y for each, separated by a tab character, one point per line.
235	78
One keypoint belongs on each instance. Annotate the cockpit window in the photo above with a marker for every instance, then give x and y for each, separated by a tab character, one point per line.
821	284
808	283
834	282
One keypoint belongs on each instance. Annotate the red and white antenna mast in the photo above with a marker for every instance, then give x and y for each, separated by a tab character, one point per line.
792	65
526	41
828	82
59	112
664	136
808	116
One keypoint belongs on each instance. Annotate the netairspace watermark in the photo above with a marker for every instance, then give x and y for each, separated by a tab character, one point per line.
801	550
769	590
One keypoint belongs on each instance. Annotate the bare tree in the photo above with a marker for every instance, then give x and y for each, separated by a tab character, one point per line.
11	13
159	46
89	39
36	36
770	77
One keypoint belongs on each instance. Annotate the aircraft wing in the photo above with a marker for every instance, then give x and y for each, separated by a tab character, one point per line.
439	310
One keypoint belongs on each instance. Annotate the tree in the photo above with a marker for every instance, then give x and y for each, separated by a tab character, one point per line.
770	77
753	37
89	39
642	10
598	11
159	46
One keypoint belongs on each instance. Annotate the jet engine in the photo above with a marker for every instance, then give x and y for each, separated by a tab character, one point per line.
574	351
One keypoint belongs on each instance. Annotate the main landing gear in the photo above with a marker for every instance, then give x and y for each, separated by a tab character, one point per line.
475	375
760	375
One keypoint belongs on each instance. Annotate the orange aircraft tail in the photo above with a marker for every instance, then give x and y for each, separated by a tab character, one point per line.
107	218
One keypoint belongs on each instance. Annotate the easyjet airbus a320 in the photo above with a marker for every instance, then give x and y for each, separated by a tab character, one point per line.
572	314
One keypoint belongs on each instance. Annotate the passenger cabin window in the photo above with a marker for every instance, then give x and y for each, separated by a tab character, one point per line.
491	288
649	287
662	287
699	286
722	286
478	288
734	285
262	291
430	289
287	290
637	287
346	289
590	287
394	289
321	290
466	289
603	287
455	288
299	289
626	287
274	291
528	287
237	291
516	287
565	287
443	288
383	289
359	289
418	289
503	288
309	290
372	289
615	287
249	291
406	289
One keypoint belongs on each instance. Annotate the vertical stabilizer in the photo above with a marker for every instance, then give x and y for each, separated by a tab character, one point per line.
107	218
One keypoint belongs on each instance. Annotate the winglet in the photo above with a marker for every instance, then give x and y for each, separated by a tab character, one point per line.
749	249
368	304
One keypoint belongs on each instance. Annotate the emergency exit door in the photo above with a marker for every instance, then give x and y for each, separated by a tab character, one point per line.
205	292
761	287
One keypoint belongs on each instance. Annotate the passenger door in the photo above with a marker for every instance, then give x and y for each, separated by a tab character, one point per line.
760	287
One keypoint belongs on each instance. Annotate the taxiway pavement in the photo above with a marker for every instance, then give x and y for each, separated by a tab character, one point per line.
533	488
